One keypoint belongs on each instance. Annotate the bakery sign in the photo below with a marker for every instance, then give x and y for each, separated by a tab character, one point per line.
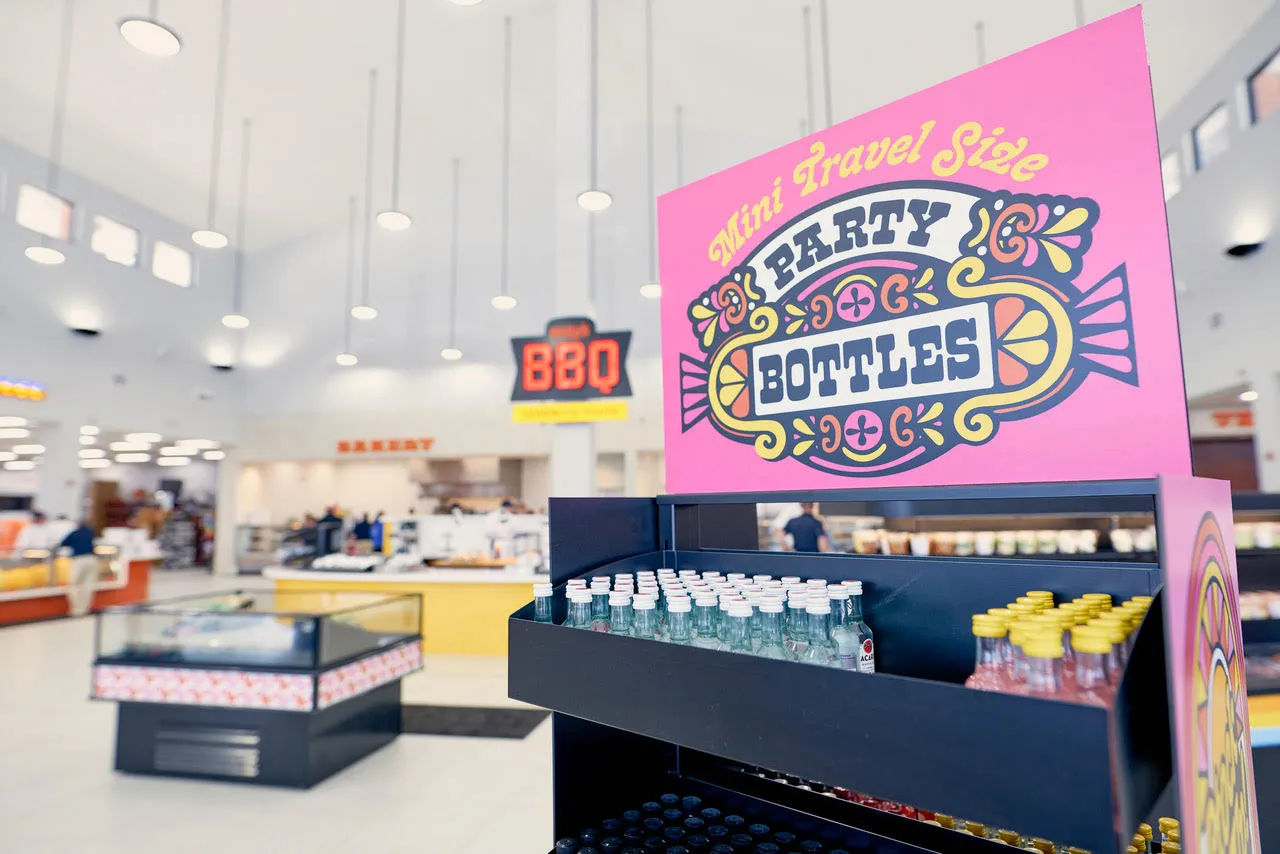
383	446
956	288
573	371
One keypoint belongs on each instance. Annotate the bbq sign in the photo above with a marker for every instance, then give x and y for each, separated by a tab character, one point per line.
571	362
958	288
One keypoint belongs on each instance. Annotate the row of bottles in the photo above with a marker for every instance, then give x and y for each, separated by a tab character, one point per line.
787	619
688	825
1165	839
1074	651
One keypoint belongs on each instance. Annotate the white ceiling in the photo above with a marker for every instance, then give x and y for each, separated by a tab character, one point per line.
142	127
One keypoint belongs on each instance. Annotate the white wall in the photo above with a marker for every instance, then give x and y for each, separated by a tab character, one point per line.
275	492
199	478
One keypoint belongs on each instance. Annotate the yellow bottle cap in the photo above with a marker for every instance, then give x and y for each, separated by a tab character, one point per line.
1171	846
1041	594
1145	830
1175	835
1139	842
944	820
1043	845
1008	837
1021	610
1131	850
1113	632
1097	597
1146	600
1090	642
989	627
1033	603
1041	647
1167	824
975	828
1001	612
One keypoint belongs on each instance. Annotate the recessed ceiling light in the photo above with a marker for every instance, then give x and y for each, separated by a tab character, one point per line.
466	2
652	290
20	465
503	302
179	452
198	444
92	453
150	37
173	461
1248	396
129	446
209	239
45	255
594	200
364	312
235	321
215	455
94	464
451	354
143	438
12	421
346	359
89	430
5	456
28	450
88	440
14	432
133	458
394	220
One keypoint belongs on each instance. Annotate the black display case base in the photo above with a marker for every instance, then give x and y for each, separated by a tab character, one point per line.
272	748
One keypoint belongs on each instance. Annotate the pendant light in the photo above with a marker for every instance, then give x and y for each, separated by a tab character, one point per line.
363	310
347	358
505	301
147	35
650	289
42	253
452	353
805	15
237	319
826	58
594	199
980	42
396	219
209	237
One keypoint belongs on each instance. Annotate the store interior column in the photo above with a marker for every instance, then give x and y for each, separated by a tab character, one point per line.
573	447
1266	432
225	514
62	481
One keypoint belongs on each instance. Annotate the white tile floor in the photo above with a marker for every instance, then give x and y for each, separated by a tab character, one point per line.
422	794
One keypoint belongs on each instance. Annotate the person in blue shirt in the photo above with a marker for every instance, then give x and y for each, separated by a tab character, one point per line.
807	532
377	532
82	579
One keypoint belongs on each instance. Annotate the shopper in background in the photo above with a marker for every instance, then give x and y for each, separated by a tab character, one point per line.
782	514
36	535
807	532
362	533
377	532
328	532
84	568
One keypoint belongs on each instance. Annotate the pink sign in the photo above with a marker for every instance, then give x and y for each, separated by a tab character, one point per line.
1205	651
970	285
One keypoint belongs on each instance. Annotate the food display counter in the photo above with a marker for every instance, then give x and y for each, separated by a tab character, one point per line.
464	611
35	587
279	689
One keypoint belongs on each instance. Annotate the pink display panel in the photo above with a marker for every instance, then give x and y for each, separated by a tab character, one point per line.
1219	810
970	285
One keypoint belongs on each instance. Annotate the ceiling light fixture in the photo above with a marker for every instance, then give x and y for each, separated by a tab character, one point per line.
466	2
133	458
396	219
1248	396
214	456
237	319
452	353
143	438
94	464
1243	250
198	444
147	35
89	430
173	461
129	446
210	237
41	253
650	289
14	433
12	421
88	440
92	453
594	199
179	451
20	465
504	301
363	310
346	360
6	456
28	450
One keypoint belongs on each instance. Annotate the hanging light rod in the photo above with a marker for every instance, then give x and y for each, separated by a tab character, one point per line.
147	35
363	310
347	358
396	219
452	353
595	199
236	318
505	301
650	289
42	253
209	237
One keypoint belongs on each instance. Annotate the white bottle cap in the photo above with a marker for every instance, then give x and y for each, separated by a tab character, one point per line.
854	587
687	573
542	590
582	597
817	582
797	604
643	603
735	576
740	609
771	607
705	601
837	592
623	575
760	579
576	582
617	598
818	608
711	573
790	579
679	606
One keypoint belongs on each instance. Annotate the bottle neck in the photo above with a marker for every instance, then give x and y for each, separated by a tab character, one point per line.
799	623
678	625
739	633
990	653
839	613
1091	670
819	627
771	627
1044	675
620	618
644	623
580	613
855	608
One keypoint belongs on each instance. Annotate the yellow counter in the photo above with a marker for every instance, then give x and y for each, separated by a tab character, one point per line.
464	612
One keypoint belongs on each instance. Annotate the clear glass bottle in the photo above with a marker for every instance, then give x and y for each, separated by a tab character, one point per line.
988	668
796	633
861	631
821	650
542	598
600	606
644	618
620	613
1044	668
1091	684
842	634
738	629
771	645
706	609
722	627
679	620
579	610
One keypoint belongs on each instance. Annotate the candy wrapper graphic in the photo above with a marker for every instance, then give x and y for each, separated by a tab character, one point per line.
880	330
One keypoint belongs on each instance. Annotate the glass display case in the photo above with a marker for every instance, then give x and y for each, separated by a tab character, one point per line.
38	572
257	628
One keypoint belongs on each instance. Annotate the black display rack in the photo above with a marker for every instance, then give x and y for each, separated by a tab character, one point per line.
635	717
